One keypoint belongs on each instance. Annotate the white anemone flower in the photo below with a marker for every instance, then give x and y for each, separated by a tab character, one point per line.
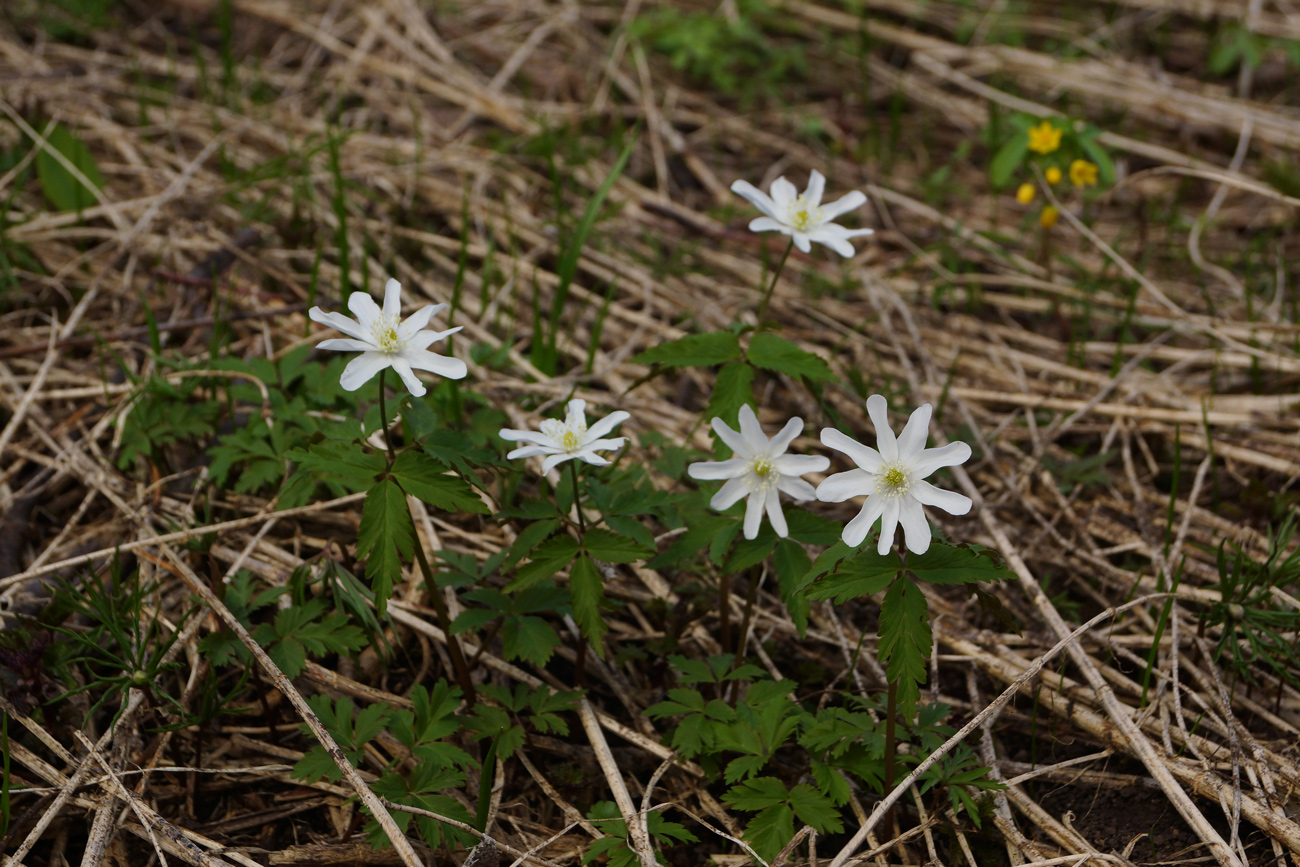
760	470
384	340
571	438
892	478
804	218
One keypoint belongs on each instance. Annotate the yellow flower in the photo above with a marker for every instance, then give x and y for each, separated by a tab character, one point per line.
1047	219
1044	138
1083	174
1053	175
1025	194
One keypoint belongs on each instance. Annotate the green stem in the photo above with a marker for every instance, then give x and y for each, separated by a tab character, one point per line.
439	603
742	642
891	745
577	501
767	296
580	664
383	418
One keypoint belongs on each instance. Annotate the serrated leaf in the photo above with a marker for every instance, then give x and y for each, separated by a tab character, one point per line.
610	547
423	477
587	588
792	563
548	558
959	564
529	537
864	574
905	641
816	809
770	352
757	794
812	529
751	552
693	350
341	459
529	638
385	538
62	188
732	389
1007	160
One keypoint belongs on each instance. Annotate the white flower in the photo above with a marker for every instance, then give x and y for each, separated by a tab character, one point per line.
384	340
571	438
760	469
803	217
891	479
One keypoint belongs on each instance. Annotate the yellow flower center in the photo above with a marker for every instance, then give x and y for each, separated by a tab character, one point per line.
893	480
804	215
762	467
570	440
385	334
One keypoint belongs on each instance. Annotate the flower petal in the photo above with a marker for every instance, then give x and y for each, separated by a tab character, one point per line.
364	308
346	344
607	424
878	409
950	501
797	488
916	529
418	320
752	432
843	205
768	224
784	437
729	493
403	367
528	452
393	299
797	465
555	460
524	436
930	460
753	514
911	442
783	193
845	486
575	414
338	322
711	470
855	531
424	339
774	513
447	366
816	186
601	445
731	438
756	197
888	525
362	369
802	241
864	456
590	457
834	242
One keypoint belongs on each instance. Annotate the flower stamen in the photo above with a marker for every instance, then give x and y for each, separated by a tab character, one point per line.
893	480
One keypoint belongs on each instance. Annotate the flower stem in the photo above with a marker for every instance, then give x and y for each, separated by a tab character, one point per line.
577	501
439	603
383	417
776	275
580	664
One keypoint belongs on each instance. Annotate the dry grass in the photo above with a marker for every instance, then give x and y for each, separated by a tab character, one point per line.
1147	335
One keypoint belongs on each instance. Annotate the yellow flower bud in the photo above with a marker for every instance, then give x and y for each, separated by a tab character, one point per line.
1044	138
1047	219
1083	174
1025	194
1053	175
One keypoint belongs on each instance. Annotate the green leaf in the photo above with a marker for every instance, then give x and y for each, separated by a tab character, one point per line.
423	477
816	809
1098	154
812	529
770	352
588	598
548	558
386	538
529	537
905	641
1007	160
751	552
962	564
757	794
731	391
610	547
792	564
826	561
864	574
699	533
693	350
63	189
339	459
